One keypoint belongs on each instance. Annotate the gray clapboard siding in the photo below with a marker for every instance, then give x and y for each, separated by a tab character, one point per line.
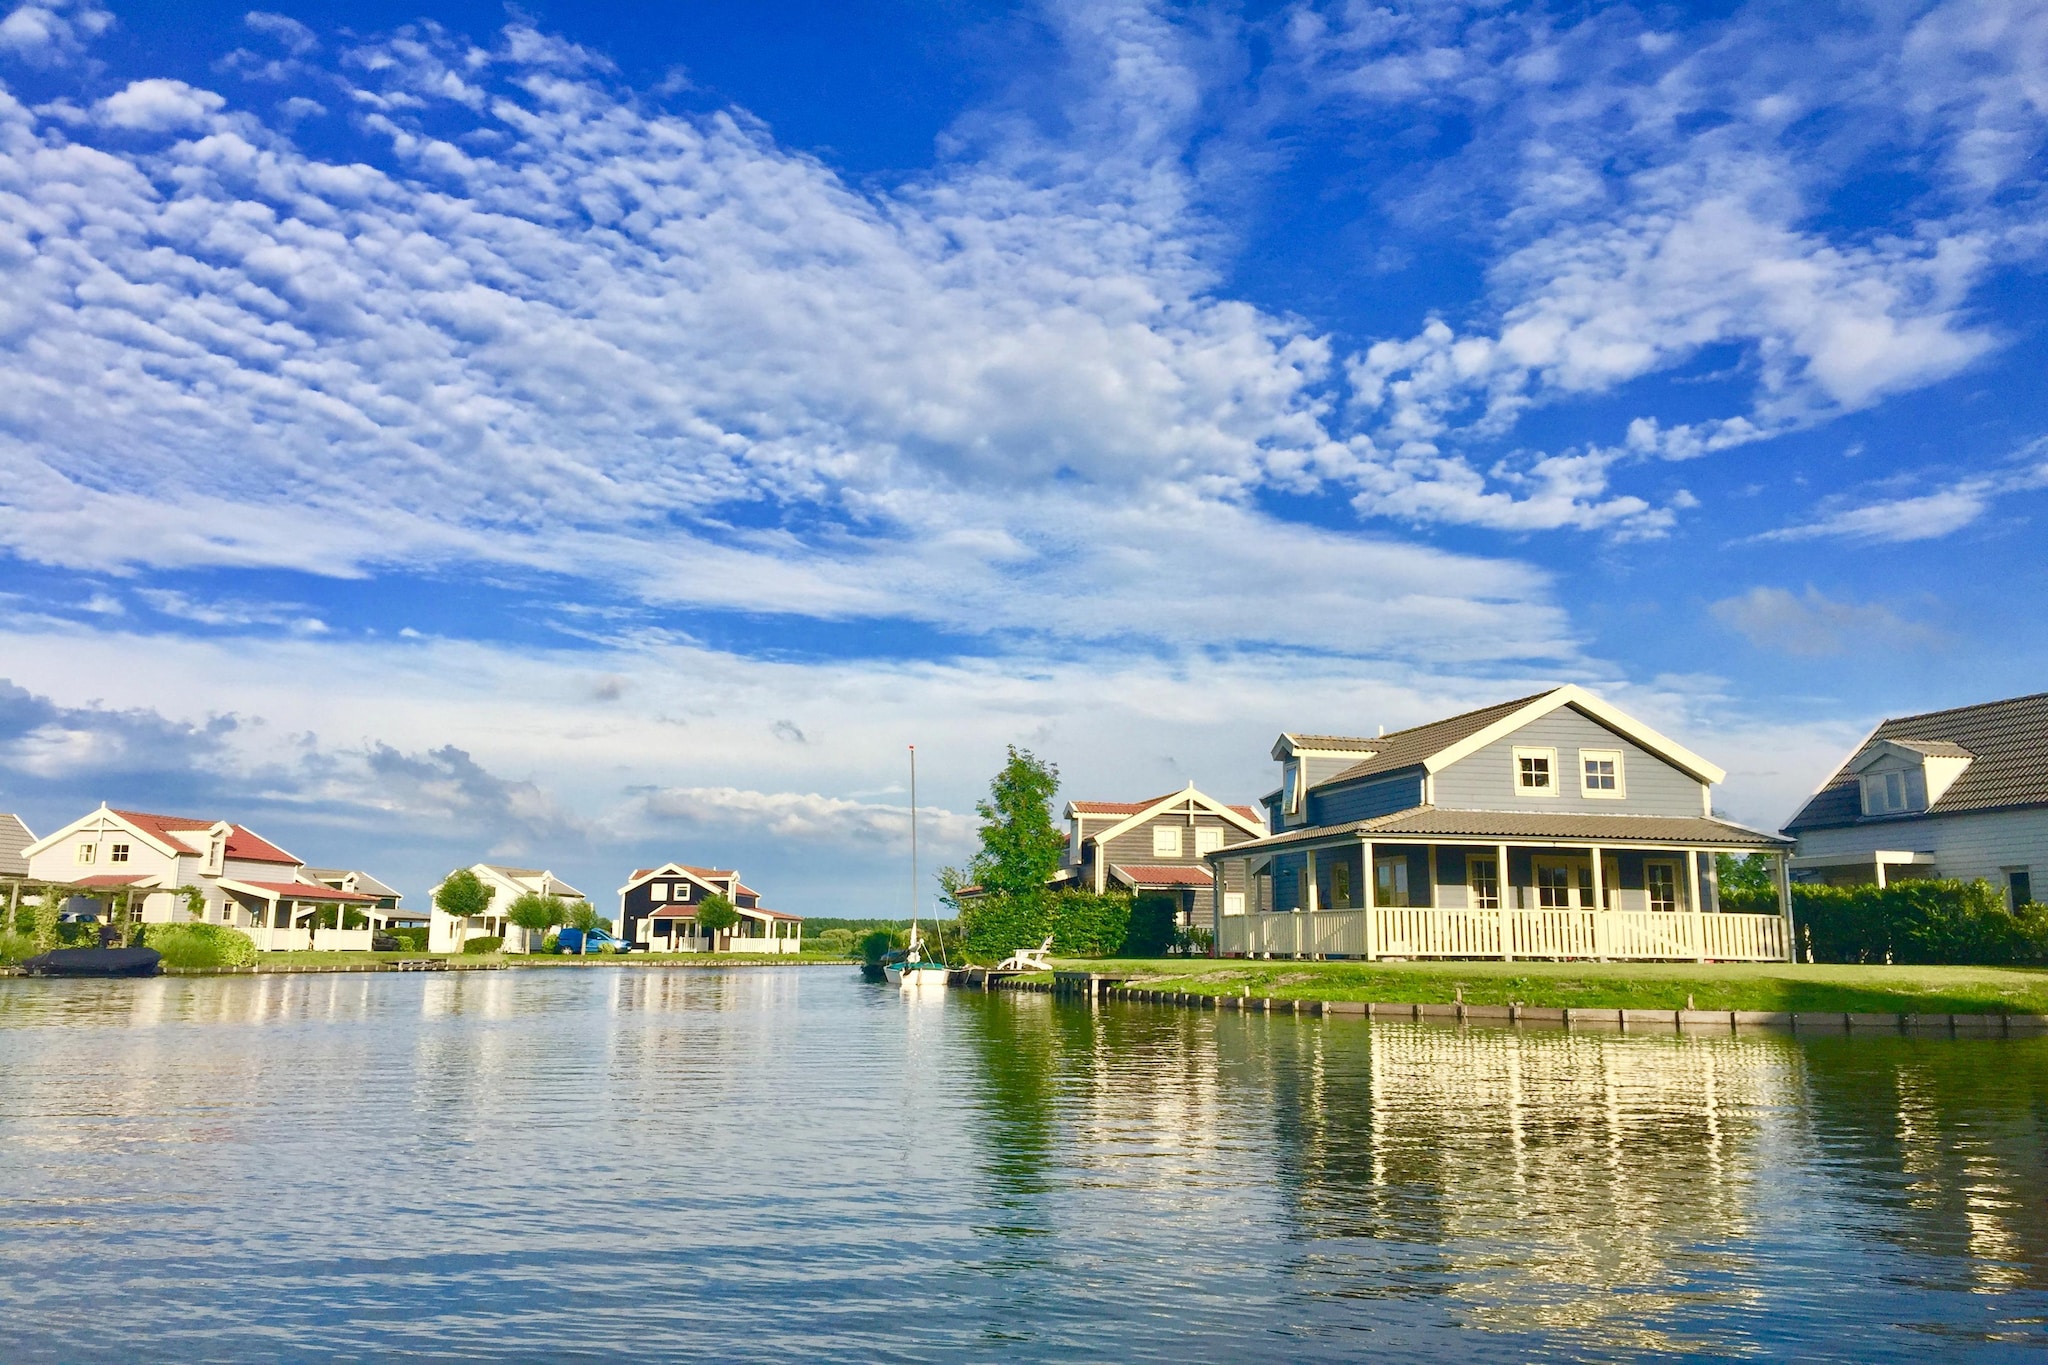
1136	846
1967	845
1366	800
1486	780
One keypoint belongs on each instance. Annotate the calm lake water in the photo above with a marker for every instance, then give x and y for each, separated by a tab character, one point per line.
786	1163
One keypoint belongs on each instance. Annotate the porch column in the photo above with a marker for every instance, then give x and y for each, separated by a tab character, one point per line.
1784	880
1692	902
1877	864
1217	869
1714	885
1314	901
1434	902
1500	896
1602	944
1371	901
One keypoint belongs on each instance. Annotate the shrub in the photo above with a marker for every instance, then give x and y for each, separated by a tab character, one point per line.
716	914
1081	923
834	941
410	940
879	942
17	947
1151	930
477	947
1919	923
199	945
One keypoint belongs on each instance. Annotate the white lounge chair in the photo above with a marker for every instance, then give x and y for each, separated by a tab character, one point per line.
1037	959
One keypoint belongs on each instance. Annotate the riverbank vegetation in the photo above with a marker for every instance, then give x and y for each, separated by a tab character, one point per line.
1793	987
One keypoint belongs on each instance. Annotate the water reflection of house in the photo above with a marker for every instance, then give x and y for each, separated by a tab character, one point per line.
1548	826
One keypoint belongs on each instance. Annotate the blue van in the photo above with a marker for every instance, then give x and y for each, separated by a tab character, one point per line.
596	941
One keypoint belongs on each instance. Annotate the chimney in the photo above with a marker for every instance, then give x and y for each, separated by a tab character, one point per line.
1383	732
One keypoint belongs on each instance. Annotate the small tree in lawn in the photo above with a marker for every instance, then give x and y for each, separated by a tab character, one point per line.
584	919
537	914
464	896
716	914
1020	848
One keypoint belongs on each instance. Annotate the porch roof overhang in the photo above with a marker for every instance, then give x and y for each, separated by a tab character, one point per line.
689	911
112	882
1889	857
292	891
1430	824
1160	876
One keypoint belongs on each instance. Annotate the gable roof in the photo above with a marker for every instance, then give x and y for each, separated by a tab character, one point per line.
1440	743
2006	742
243	843
1243	815
1432	822
14	837
1134	807
364	881
703	876
523	876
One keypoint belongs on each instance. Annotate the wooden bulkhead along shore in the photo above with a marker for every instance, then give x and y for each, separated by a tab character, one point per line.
1095	986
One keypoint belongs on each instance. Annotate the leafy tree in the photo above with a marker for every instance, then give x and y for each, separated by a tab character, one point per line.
716	914
1747	879
1020	844
583	918
463	895
537	914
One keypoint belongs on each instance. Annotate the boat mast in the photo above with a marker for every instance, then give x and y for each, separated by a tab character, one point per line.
913	847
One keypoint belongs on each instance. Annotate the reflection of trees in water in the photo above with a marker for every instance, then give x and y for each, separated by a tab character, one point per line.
1541	1181
1945	1142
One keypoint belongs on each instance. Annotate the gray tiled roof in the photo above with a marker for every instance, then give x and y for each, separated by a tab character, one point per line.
1406	748
2007	742
1434	823
14	837
1343	744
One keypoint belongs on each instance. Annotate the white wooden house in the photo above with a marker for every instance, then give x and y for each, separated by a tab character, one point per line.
447	933
1551	826
244	881
1960	793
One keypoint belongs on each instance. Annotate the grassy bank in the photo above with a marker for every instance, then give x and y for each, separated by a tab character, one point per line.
351	961
1607	985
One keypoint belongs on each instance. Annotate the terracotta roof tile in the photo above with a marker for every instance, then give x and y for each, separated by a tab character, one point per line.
1159	874
243	843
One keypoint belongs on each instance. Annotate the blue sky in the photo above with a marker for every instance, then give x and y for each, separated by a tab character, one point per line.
577	435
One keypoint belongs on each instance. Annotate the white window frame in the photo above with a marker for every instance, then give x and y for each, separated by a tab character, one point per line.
1882	782
1613	756
1208	839
1166	841
1233	902
1475	885
1533	751
1677	871
658	891
117	853
86	852
1395	885
1290	799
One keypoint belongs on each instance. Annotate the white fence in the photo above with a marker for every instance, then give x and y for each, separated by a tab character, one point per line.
302	940
1627	935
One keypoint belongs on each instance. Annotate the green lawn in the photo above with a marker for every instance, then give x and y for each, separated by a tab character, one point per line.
1606	985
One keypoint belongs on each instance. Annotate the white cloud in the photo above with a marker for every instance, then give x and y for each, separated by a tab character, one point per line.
231	611
158	106
661	352
51	34
1652	197
1812	625
1919	516
806	816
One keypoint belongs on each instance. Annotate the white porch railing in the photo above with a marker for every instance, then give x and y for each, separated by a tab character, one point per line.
1626	935
270	940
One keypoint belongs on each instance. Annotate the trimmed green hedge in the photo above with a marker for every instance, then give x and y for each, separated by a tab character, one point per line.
410	940
199	945
477	947
1919	923
1081	923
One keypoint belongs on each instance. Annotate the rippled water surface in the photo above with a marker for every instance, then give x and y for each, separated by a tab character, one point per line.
749	1164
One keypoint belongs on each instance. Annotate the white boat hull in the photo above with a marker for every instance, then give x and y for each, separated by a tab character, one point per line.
917	976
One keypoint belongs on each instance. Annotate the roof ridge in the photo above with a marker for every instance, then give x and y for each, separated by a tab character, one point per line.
1972	706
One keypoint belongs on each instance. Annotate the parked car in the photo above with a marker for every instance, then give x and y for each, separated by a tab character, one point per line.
596	941
381	942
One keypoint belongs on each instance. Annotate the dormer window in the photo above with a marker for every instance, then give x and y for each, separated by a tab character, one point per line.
1894	793
1290	791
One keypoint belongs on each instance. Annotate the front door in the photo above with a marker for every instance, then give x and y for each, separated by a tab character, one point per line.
1563	883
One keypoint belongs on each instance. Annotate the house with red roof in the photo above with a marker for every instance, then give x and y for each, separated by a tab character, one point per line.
658	912
1157	847
244	881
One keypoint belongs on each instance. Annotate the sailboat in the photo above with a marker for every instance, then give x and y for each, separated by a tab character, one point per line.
914	971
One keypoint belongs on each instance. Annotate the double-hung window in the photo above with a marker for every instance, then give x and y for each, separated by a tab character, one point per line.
2019	886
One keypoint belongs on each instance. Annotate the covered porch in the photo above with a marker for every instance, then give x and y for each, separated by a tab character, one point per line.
286	916
675	930
1439	884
